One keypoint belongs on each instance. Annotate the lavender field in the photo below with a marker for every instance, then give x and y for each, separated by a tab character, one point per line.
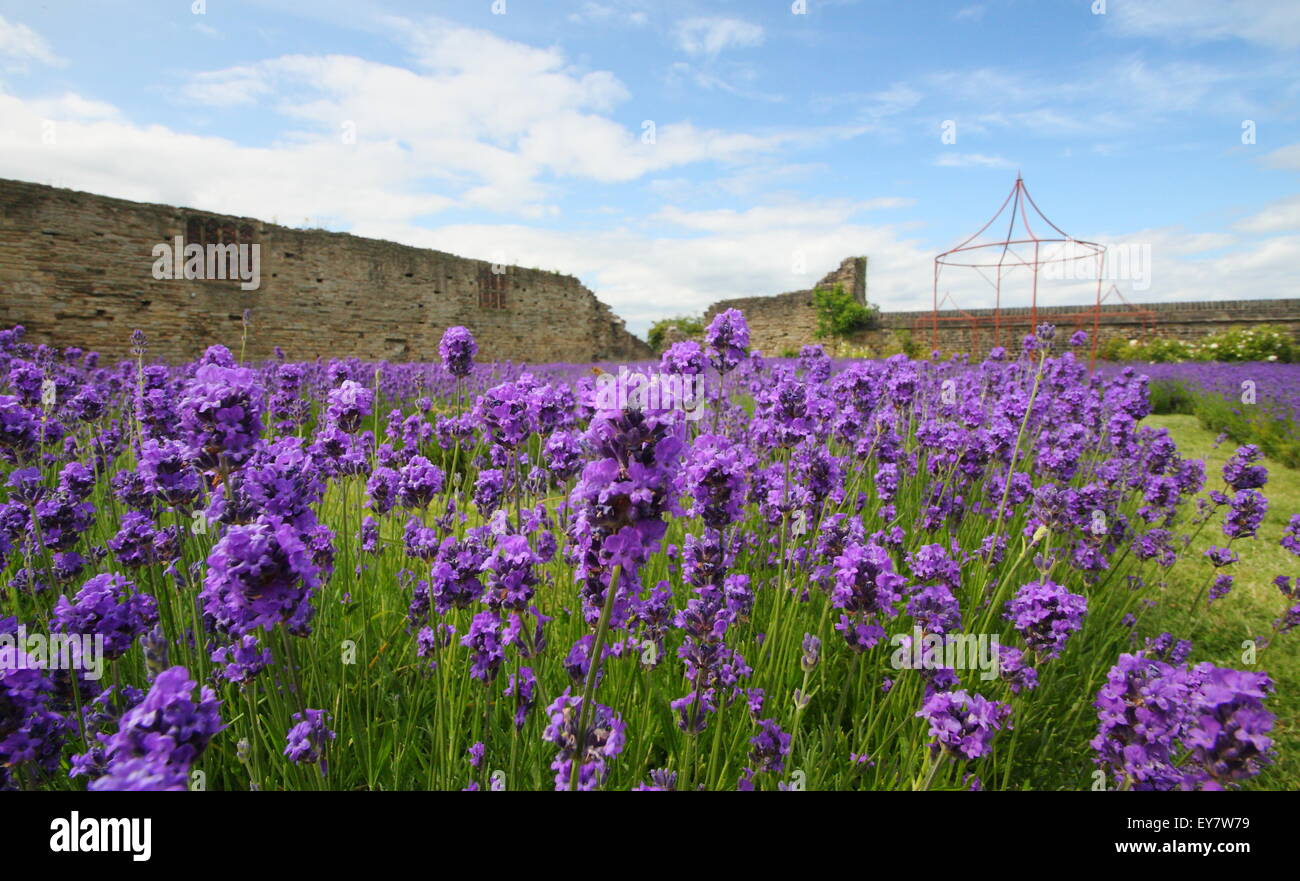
1251	402
716	572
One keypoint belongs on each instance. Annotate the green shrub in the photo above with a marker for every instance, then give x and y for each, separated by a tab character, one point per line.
691	325
1265	342
839	314
1172	397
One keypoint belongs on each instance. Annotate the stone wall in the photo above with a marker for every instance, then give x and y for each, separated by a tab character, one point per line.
787	321
977	330
784	322
77	269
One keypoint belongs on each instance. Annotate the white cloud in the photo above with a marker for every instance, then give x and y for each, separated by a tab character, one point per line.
1280	216
229	87
20	45
487	117
971	160
1120	96
1274	23
592	12
970	13
710	36
761	218
607	14
1287	157
95	150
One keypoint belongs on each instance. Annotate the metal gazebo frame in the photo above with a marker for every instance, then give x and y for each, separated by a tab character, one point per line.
1002	255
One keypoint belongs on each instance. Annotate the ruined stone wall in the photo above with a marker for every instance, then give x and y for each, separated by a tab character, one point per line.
785	322
76	270
976	331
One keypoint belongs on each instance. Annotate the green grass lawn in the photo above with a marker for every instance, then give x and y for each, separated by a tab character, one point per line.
1219	632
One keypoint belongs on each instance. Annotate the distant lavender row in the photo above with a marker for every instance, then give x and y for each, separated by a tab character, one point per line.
1277	386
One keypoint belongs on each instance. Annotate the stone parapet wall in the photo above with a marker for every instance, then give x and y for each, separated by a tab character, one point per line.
76	269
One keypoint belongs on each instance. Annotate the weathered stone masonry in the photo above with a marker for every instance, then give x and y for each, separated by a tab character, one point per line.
76	270
787	321
1185	321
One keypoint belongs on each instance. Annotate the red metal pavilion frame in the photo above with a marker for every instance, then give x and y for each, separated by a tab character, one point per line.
1004	255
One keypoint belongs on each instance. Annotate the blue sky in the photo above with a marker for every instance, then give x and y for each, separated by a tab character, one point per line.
782	142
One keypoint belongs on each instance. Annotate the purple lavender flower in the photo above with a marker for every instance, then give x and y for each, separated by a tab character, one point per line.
260	575
1045	614
716	477
30	731
220	416
619	503
811	653
76	481
962	724
383	487
523	688
510	575
489	488
1239	473
935	609
168	472
1165	648
563	452
727	337
1228	737
1245	514
484	640
771	747
1142	708
109	606
421	480
1291	535
243	660
815	363
348	405
685	358
661	780
19	430
308	738
603	740
1013	669
26	485
1221	557
505	412
865	581
369	535
457	350
139	543
160	738
455	578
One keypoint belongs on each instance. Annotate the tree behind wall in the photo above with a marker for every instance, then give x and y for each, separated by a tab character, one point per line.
839	314
690	327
